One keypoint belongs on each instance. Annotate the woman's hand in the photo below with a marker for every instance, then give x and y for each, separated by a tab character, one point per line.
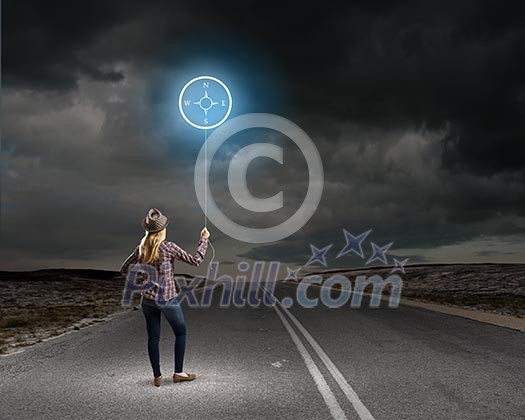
205	233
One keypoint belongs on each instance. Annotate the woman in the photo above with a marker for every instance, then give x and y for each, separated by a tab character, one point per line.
155	251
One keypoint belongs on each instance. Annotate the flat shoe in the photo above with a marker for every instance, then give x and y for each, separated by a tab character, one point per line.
157	381
180	378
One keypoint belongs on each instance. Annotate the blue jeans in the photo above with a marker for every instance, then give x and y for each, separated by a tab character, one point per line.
173	312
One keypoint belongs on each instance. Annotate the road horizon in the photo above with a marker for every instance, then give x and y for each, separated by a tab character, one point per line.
272	362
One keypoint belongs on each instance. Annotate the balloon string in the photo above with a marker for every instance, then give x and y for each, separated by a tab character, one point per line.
206	192
205	177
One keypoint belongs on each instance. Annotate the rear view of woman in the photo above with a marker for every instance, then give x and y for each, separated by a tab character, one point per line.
159	253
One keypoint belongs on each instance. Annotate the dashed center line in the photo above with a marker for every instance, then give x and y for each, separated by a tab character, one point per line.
351	395
327	394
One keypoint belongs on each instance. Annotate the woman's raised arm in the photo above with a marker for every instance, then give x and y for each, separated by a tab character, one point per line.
196	259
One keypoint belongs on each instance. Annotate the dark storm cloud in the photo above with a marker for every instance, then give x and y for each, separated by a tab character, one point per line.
417	109
428	62
42	42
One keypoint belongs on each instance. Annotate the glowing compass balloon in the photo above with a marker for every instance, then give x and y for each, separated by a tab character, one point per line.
205	102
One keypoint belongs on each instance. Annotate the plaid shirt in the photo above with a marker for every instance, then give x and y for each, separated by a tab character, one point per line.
168	253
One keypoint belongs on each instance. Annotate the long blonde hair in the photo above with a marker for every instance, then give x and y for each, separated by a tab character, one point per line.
149	246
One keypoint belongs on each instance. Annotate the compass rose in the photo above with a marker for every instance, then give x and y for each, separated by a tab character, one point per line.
208	103
205	102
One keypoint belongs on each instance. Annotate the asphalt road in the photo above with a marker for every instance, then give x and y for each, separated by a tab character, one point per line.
260	363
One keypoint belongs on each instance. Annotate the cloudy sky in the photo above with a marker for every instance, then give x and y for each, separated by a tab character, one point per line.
417	110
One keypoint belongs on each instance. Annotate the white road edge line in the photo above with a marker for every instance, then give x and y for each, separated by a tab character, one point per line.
329	398
352	396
